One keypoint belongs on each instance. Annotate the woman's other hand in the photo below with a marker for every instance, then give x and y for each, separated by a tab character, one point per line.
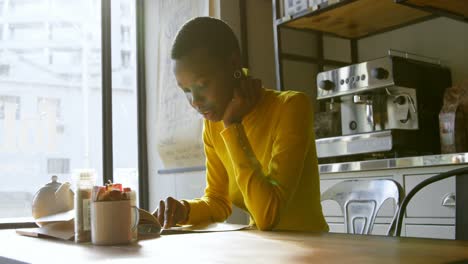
171	212
243	101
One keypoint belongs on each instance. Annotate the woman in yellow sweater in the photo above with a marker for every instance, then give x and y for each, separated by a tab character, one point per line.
259	143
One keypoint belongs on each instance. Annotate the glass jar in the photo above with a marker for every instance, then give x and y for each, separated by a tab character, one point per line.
85	180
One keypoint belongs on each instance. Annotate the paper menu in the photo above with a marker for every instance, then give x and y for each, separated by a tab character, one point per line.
60	225
62	230
211	227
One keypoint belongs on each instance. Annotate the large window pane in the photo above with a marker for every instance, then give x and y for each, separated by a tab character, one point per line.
124	93
50	96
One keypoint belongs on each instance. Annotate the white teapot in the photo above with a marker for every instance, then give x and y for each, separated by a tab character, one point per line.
52	198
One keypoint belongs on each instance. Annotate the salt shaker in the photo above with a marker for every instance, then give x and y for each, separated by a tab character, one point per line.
85	180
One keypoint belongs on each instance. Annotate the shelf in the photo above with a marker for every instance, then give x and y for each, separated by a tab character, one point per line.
355	19
457	9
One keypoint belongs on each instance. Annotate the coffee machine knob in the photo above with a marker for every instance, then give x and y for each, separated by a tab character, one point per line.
326	85
401	100
379	73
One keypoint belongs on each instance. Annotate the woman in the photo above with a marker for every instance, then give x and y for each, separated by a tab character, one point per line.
259	144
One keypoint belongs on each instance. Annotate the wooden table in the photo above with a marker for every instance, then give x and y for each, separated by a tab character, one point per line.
239	247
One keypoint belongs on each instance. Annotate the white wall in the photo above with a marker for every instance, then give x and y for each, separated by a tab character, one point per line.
260	41
443	38
229	12
259	36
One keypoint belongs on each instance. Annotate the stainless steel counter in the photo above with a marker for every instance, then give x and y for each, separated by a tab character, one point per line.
396	163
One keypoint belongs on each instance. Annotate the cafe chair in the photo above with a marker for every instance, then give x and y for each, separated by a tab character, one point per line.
398	220
360	200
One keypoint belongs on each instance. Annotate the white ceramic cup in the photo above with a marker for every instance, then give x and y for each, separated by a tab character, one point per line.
113	222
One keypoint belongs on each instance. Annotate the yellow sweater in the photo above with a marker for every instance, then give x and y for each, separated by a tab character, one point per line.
267	166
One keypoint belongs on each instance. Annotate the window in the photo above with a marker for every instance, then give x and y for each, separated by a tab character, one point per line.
9	107
64	32
125	58
23	8
125	33
31	55
47	105
50	107
27	31
51	103
126	9
43	105
69	57
72	8
4	70
58	166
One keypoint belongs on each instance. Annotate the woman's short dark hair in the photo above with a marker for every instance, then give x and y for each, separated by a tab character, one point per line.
206	33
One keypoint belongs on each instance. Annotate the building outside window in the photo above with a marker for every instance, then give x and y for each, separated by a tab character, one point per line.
51	96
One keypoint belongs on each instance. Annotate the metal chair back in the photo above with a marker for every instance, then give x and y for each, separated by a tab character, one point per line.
360	200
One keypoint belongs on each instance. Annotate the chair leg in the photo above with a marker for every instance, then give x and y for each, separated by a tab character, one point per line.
392	227
461	219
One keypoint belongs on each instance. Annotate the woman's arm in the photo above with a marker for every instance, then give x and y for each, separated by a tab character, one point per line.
215	205
267	191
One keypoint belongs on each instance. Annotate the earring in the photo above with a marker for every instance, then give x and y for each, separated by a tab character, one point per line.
237	74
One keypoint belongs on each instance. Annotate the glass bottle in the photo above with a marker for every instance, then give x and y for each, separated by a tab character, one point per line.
85	180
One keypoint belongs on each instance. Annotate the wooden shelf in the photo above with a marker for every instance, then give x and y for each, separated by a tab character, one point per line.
457	9
355	19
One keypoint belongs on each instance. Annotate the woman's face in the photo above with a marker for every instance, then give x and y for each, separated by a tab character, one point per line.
207	83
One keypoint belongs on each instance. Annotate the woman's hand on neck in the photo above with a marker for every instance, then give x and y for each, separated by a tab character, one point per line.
245	97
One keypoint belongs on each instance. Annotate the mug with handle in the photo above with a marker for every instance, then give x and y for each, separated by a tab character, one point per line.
113	222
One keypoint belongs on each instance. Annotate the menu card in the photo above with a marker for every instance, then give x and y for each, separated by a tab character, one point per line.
203	228
62	230
59	225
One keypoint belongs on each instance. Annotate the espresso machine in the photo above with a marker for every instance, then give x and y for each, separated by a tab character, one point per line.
388	107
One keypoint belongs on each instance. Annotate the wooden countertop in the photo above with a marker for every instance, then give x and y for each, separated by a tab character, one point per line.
239	247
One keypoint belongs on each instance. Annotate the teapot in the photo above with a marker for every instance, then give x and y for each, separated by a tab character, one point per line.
52	198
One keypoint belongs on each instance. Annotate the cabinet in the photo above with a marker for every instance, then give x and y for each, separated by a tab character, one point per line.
432	200
430	214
